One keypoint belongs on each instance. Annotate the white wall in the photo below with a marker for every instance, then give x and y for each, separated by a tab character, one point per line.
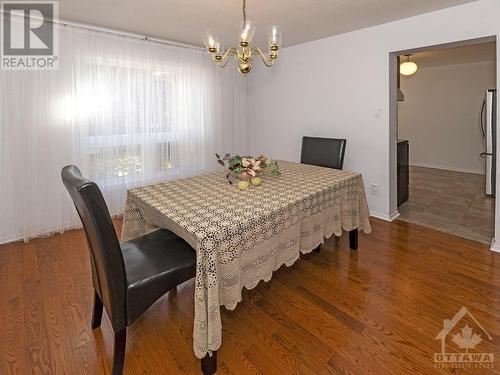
336	86
440	115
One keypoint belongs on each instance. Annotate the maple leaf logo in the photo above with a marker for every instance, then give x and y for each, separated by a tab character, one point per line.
467	340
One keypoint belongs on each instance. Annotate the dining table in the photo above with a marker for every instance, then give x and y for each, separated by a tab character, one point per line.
242	236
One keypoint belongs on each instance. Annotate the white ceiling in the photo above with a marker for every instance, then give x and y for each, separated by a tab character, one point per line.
300	20
455	55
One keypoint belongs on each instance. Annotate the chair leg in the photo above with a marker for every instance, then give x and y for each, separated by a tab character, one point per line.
97	311
119	351
209	364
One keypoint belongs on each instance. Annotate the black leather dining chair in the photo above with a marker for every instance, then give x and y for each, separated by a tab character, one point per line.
323	152
129	277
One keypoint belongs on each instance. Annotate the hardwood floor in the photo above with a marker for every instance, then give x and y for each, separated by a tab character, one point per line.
374	311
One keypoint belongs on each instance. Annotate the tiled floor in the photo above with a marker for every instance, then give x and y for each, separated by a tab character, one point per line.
453	202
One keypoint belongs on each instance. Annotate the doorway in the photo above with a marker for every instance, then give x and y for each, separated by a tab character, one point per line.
444	123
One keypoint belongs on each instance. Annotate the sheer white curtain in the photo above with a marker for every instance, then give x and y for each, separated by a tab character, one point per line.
127	112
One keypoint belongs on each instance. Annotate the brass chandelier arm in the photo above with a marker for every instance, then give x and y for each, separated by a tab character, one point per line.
267	60
222	62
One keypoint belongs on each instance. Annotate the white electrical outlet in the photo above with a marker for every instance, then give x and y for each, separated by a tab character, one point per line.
374	188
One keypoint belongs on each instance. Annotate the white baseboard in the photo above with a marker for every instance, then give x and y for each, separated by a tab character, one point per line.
44	234
8	239
425	165
385	217
495	246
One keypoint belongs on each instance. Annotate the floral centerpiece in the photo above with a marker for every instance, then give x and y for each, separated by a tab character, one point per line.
248	168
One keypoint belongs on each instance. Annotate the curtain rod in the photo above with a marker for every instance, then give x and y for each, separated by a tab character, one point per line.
106	30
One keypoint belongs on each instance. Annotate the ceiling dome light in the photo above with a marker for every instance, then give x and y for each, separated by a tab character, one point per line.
408	67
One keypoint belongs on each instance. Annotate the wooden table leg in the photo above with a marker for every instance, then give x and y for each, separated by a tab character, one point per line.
353	239
209	364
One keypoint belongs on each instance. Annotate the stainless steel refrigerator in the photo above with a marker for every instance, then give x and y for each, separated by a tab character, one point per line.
489	131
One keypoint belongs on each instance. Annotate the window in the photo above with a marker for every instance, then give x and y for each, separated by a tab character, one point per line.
131	130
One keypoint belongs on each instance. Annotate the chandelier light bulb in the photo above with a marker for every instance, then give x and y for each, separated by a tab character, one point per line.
210	40
247	28
274	37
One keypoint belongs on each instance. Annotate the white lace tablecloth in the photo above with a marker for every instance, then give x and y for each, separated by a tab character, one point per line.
241	237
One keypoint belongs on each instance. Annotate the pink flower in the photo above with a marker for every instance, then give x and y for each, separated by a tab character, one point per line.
251	165
247	162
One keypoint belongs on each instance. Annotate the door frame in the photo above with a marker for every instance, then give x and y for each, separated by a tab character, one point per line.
393	123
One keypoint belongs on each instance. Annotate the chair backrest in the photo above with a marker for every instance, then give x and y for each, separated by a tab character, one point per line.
323	152
108	269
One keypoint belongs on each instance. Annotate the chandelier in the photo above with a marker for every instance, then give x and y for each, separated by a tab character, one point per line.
244	54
